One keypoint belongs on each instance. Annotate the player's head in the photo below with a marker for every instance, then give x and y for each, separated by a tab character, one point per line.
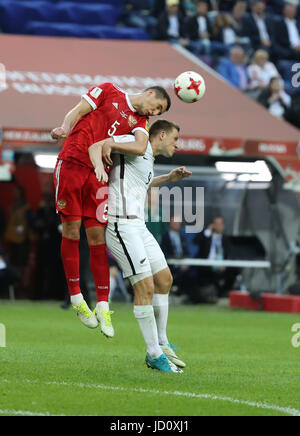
164	137
153	101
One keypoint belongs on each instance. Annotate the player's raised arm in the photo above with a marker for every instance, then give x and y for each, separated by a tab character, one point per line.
71	119
173	177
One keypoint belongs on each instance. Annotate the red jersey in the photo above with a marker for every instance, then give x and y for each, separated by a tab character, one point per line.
113	114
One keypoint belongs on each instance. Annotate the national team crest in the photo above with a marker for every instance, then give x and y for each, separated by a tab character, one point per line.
61	204
132	121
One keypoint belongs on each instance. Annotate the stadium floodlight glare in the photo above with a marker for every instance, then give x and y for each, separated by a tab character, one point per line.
45	161
257	171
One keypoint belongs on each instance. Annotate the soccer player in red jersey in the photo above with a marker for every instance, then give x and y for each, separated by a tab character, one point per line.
103	112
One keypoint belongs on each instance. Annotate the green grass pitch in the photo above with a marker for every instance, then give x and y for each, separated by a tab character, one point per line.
238	363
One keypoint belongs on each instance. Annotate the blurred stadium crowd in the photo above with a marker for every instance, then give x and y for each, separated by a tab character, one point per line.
253	44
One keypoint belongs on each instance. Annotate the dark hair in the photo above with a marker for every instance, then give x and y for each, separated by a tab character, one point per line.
160	92
160	125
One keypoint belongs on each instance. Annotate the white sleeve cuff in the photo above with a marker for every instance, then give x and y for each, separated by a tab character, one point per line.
90	101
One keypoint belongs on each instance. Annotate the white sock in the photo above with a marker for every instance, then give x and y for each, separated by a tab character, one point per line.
76	299
103	305
161	312
145	317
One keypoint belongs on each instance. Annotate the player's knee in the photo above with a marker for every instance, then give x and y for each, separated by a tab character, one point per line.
71	230
95	235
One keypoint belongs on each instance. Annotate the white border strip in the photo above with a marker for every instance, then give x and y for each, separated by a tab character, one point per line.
259	405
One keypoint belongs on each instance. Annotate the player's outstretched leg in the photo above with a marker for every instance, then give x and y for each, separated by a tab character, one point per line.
163	282
70	259
144	314
100	270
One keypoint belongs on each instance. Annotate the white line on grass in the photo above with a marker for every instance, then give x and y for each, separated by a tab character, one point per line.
13	412
286	410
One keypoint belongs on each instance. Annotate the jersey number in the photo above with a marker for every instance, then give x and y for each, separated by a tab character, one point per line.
113	128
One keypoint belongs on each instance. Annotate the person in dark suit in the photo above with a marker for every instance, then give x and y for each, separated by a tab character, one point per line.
258	27
287	34
174	246
214	245
199	33
171	24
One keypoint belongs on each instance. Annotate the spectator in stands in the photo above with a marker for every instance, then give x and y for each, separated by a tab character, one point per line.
174	246
258	27
237	15
234	69
287	34
199	32
137	13
8	275
190	7
170	26
225	33
275	99
214	245
261	71
160	5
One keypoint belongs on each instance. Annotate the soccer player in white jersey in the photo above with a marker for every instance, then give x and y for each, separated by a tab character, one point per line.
133	246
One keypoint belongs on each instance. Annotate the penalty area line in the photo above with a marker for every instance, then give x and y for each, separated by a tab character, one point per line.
259	405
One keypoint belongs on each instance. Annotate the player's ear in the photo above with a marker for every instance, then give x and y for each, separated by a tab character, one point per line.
162	135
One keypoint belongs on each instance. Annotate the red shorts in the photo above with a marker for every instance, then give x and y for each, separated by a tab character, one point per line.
78	193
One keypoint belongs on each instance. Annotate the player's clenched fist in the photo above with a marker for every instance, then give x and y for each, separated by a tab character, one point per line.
58	133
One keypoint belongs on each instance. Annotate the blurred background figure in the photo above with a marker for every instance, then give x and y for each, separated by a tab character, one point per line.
18	236
171	25
234	69
261	70
275	99
174	245
8	275
50	282
213	244
287	33
258	27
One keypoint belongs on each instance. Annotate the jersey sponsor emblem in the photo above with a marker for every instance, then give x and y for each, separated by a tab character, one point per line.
147	126
143	261
61	204
96	92
116	105
132	121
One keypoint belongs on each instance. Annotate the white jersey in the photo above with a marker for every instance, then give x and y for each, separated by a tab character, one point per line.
129	181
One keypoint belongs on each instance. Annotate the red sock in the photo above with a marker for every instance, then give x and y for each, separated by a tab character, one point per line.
70	259
100	270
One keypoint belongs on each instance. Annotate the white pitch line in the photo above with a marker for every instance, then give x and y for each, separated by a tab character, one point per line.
286	410
8	412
